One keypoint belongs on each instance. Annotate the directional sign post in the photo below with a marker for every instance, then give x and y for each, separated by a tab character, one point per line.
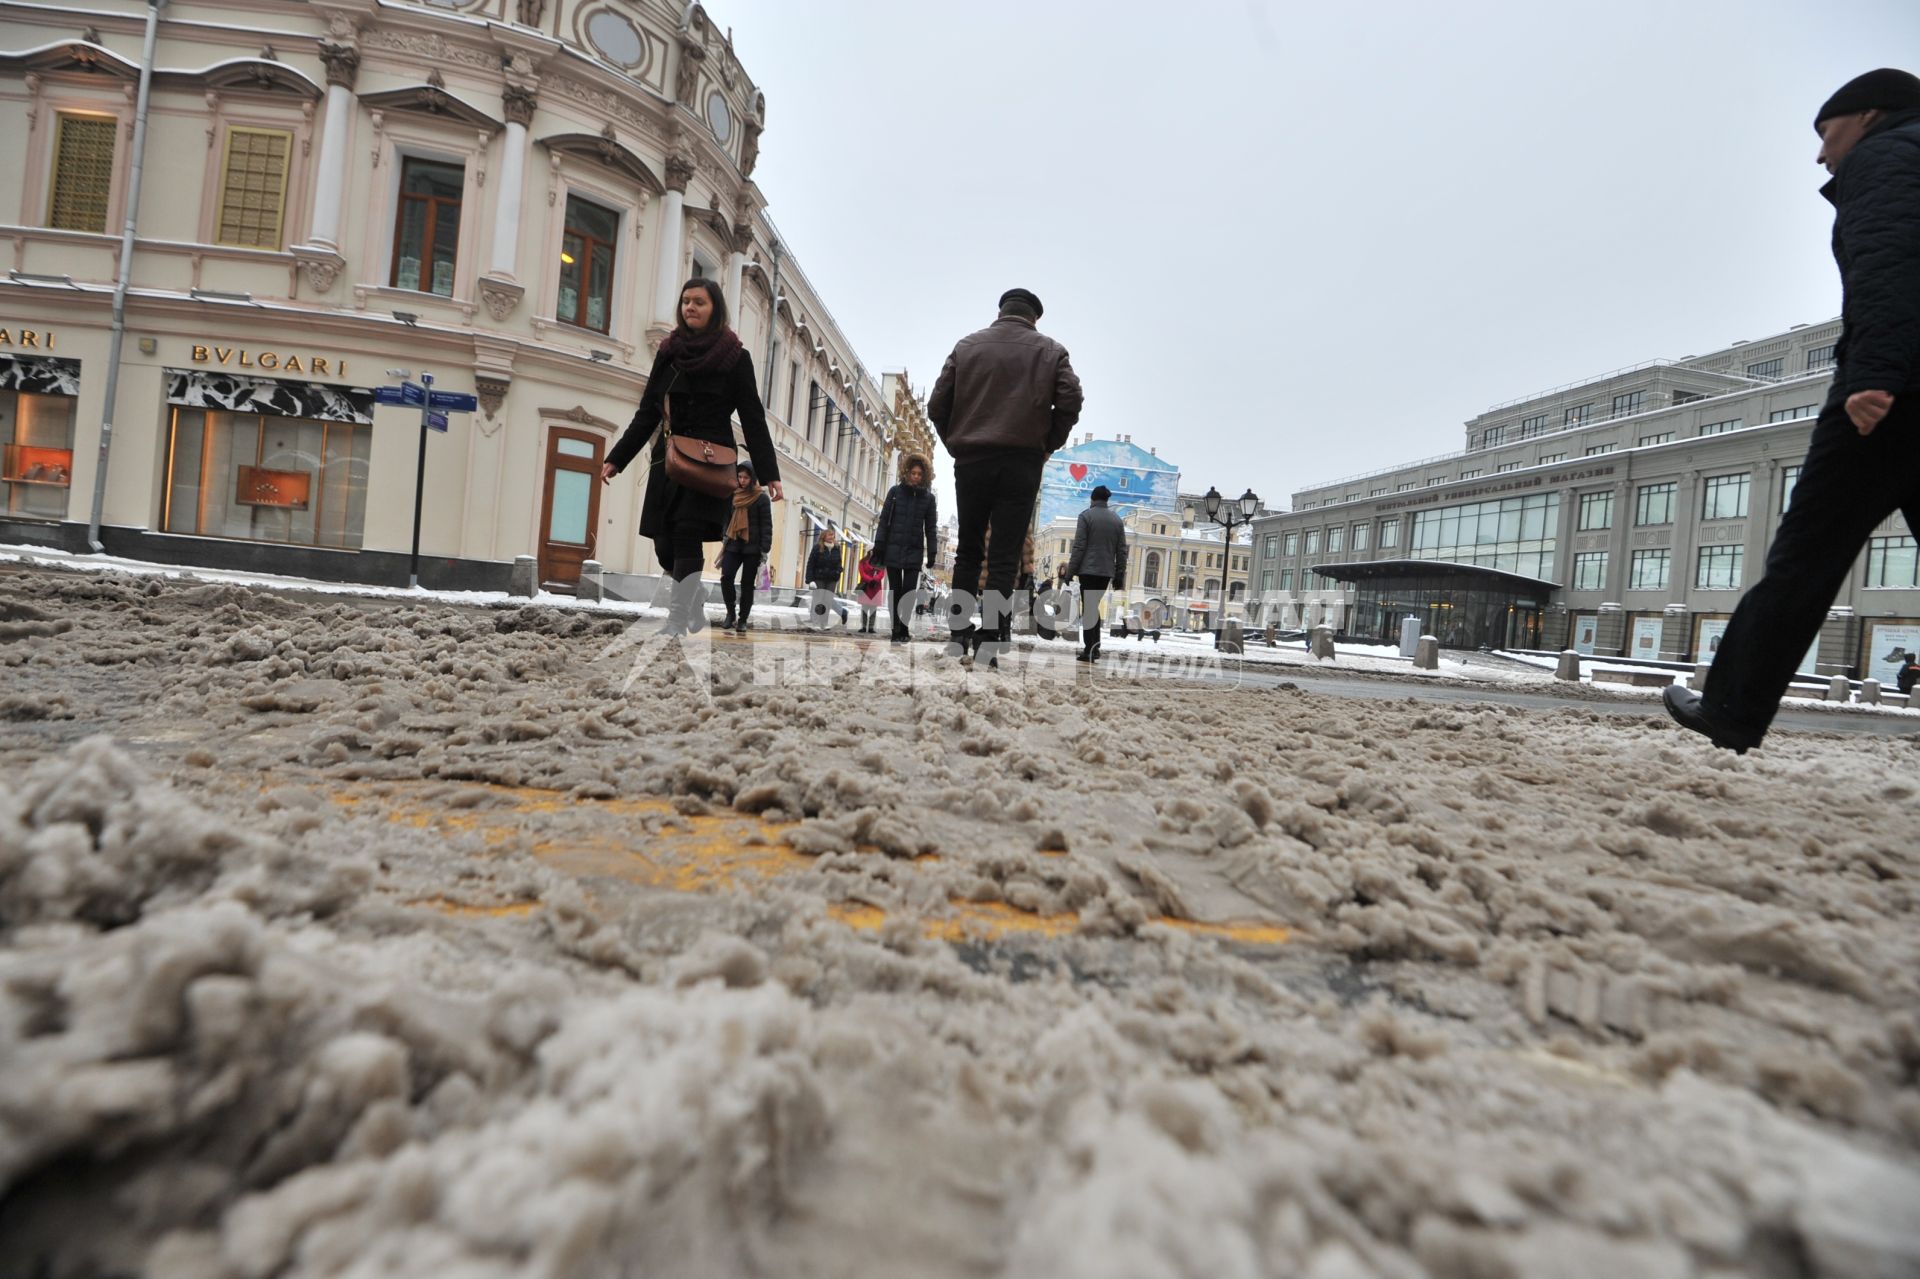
452	401
434	407
406	395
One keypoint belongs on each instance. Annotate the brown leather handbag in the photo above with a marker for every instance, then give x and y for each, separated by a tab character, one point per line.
700	465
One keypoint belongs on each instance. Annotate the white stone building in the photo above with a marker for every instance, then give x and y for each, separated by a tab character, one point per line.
506	194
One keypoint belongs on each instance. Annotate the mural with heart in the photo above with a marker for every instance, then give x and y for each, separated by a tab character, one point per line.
1137	477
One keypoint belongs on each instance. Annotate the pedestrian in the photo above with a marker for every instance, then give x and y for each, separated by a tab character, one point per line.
1864	459
1005	399
1908	674
873	580
909	525
824	569
749	538
1099	555
701	377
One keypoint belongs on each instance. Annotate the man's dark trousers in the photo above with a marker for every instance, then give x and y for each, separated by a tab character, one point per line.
993	491
1847	486
1093	589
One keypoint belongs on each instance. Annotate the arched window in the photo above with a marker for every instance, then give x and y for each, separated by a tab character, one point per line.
1235	591
1152	581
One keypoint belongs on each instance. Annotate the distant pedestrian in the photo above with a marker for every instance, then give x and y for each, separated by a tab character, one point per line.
1098	557
1909	673
1005	399
825	567
907	535
700	379
1864	461
749	538
873	582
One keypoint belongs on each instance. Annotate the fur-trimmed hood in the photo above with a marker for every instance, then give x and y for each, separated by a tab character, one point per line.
907	461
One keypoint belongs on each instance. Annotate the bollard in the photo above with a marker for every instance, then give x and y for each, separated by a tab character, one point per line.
1569	667
1870	692
523	578
1322	647
592	582
1409	636
1840	689
1698	680
1426	655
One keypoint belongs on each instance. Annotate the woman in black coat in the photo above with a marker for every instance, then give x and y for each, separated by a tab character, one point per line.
700	379
749	538
909	523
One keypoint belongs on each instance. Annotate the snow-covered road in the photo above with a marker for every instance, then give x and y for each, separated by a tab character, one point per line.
395	937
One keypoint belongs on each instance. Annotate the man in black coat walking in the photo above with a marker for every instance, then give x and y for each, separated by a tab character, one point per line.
1864	460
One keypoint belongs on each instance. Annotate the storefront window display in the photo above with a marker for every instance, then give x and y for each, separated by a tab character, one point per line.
296	476
36	432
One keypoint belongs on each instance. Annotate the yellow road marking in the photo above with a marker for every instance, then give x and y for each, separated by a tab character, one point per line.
696	853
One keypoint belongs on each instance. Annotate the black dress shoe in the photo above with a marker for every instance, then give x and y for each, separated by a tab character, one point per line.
1690	711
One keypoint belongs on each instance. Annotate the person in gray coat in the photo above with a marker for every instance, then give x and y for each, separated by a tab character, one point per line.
1098	559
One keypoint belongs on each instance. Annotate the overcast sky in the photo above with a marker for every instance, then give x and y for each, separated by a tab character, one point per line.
1287	243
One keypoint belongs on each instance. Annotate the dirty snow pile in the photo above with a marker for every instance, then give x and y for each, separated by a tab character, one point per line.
300	974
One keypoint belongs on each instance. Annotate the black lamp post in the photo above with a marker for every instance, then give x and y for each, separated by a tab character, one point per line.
1229	515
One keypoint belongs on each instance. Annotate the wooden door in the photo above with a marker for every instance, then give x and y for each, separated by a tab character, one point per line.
569	506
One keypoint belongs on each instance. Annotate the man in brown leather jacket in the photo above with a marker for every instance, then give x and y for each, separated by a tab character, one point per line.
1006	398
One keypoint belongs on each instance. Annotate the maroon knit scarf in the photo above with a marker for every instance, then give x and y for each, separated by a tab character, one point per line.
714	350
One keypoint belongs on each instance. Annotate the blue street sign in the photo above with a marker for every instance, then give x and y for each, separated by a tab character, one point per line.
436	421
452	401
406	394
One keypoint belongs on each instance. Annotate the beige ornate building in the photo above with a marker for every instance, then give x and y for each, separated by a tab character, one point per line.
506	194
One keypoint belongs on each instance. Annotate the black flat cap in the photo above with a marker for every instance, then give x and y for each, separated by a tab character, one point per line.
1026	296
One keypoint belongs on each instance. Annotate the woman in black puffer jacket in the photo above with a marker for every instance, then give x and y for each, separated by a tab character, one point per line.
909	523
704	376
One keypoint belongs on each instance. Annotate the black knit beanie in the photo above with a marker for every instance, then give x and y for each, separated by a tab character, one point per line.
1886	89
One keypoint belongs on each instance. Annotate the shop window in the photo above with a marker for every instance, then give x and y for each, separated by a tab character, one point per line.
253	187
426	237
37	471
295	481
586	264
82	172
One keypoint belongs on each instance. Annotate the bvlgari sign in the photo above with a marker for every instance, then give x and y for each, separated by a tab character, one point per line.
240	357
27	339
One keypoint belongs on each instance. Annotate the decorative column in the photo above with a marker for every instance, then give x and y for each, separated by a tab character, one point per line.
320	258
667	281
498	288
741	243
